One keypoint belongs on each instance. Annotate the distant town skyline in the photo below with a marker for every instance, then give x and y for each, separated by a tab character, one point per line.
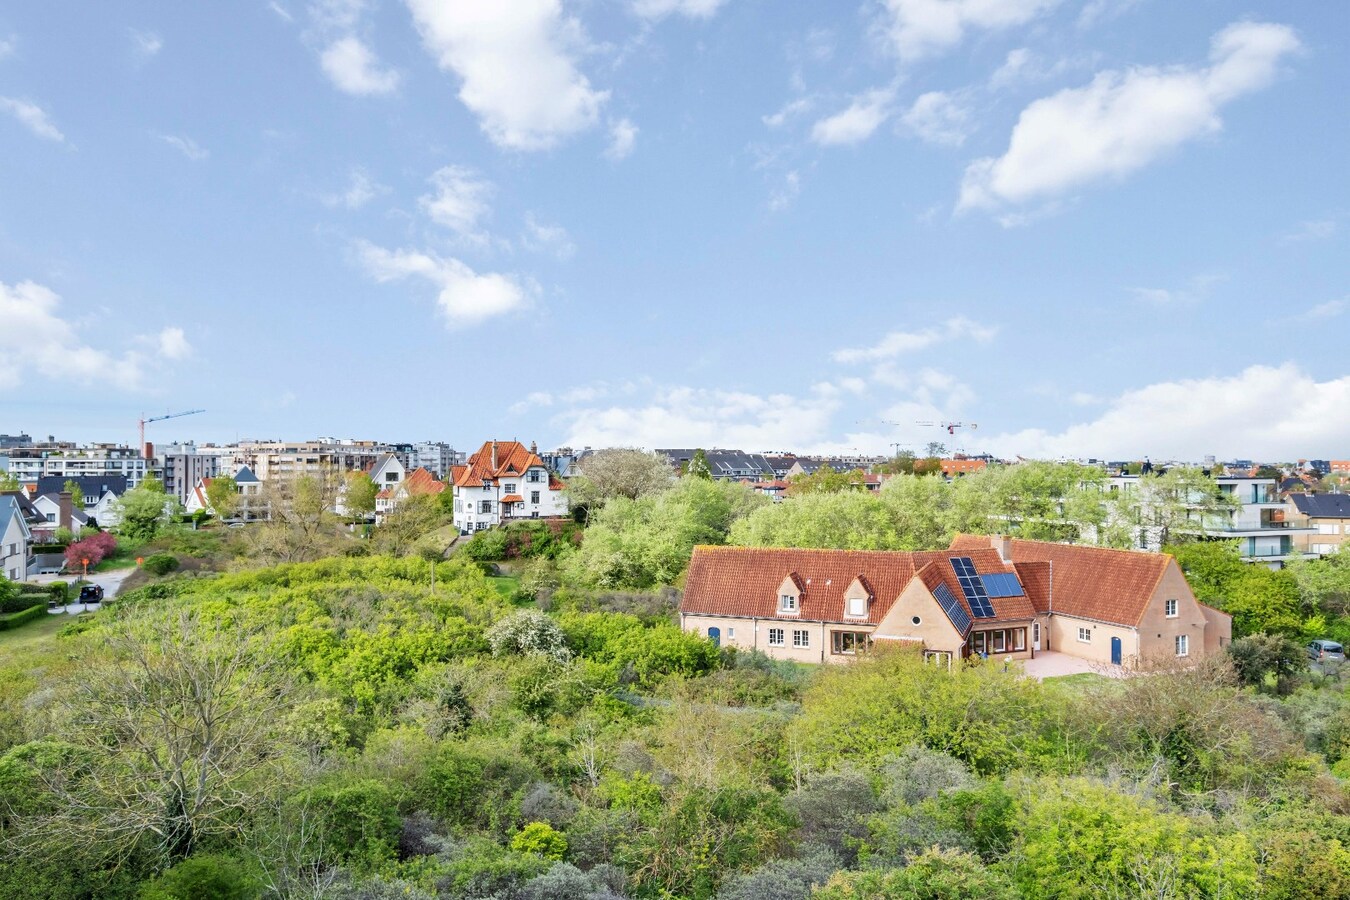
1097	228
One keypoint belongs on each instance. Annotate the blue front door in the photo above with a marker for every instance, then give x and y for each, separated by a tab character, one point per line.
1115	651
715	635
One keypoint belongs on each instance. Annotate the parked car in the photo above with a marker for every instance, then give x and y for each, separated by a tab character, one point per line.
1326	650
91	593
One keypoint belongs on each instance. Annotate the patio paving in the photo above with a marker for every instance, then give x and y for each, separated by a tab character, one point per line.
1052	664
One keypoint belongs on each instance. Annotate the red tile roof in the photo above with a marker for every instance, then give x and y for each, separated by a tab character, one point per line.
512	461
422	481
1090	582
744	581
513	498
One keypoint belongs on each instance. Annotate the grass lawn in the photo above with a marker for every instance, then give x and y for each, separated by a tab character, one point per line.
32	636
507	586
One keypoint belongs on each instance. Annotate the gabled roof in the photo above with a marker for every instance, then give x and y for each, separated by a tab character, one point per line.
1099	583
422	481
744	581
90	485
11	511
1322	506
512	461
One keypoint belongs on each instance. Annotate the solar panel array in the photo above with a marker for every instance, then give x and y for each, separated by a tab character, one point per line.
955	611
973	587
1001	585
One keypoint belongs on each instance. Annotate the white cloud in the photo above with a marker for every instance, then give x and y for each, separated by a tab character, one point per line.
37	342
186	146
465	297
790	110
898	343
282	12
939	118
7	46
687	416
32	117
1104	10
1197	289
350	65
856	123
460	201
1263	412
552	239
785	194
360	190
173	344
1315	230
1123	121
917	28
1328	310
337	15
693	9
622	139
146	43
517	61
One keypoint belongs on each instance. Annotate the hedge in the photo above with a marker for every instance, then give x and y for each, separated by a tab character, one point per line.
14	620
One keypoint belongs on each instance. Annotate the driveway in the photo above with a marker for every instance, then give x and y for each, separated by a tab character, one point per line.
1052	664
111	582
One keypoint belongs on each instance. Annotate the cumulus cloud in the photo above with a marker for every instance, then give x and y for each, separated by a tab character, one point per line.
186	146
360	190
1263	412
459	202
789	110
914	29
939	118
622	139
546	238
32	117
899	343
693	9
1123	121
464	297
517	64
36	341
856	123
353	68
173	344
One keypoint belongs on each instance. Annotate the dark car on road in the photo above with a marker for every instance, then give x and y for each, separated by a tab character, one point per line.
1323	651
91	593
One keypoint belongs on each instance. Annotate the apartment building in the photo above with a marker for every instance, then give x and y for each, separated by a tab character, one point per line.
436	457
269	460
28	464
1324	521
182	466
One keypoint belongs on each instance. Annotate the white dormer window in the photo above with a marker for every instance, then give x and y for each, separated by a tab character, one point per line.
787	603
857	606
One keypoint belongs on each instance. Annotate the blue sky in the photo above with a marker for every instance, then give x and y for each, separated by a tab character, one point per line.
1102	228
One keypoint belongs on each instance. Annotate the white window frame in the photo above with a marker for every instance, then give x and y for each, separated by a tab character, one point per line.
857	607
787	603
1084	634
1171	608
1183	645
777	637
801	638
731	634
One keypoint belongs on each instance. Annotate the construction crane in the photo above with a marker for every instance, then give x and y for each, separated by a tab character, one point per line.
950	426
144	421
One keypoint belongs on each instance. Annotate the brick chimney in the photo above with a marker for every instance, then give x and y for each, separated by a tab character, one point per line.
494	457
65	516
1003	544
148	451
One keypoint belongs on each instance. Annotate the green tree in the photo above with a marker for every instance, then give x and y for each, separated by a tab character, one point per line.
617	473
1182	504
826	480
144	510
1257	656
72	487
223	496
360	497
540	838
698	466
8	481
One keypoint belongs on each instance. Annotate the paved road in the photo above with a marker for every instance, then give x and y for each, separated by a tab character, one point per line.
111	582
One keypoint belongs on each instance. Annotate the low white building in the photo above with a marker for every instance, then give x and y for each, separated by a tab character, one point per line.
504	481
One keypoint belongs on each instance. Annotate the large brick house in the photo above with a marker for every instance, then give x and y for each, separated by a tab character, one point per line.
996	596
504	481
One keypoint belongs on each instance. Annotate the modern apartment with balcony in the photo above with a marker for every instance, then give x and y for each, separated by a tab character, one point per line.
1260	522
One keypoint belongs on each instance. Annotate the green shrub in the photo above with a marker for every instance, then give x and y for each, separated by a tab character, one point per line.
540	838
21	602
160	564
358	820
200	877
14	620
60	591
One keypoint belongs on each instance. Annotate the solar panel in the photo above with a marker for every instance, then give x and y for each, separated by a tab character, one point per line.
1001	585
973	587
954	610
